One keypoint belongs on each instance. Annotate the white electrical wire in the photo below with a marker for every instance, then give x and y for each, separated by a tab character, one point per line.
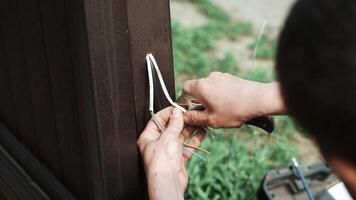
163	85
150	59
150	81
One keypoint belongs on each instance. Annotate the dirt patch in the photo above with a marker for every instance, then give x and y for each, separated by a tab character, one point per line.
257	11
187	14
307	149
241	51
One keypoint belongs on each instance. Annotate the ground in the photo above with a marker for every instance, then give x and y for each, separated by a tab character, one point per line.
224	35
254	11
257	12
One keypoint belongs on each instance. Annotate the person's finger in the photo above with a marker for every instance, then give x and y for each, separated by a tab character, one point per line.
189	86
175	124
152	132
194	141
196	88
188	131
162	118
196	118
147	137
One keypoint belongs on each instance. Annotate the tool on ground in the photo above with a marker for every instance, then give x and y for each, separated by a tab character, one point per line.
152	68
301	176
285	184
190	103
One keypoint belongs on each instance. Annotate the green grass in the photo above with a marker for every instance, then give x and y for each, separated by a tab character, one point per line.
191	46
266	47
236	166
240	158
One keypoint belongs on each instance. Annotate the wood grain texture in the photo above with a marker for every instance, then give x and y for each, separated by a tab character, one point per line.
39	84
113	87
17	75
63	91
74	81
117	52
85	100
6	100
23	176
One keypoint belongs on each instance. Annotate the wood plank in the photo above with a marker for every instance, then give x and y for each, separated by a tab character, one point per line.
39	84
117	57
16	179
64	96
7	192
6	100
150	31
112	82
82	63
85	98
16	66
21	166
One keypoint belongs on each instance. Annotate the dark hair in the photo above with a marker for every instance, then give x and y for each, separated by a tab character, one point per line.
316	66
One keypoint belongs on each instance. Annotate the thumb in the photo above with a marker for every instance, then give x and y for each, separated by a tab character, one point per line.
196	118
176	122
189	86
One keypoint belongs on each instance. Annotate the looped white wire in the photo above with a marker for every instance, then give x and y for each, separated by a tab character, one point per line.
150	59
163	85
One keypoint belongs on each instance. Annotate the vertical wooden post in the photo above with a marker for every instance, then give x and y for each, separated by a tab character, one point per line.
120	34
74	87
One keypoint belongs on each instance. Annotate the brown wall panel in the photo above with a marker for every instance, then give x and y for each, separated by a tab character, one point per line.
17	75
6	100
113	86
39	84
63	91
74	85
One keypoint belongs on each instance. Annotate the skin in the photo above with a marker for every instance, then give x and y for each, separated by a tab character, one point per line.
163	155
230	102
346	172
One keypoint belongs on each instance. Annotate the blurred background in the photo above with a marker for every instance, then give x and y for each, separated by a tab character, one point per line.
238	37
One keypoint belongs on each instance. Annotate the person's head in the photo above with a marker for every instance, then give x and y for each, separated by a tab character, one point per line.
316	66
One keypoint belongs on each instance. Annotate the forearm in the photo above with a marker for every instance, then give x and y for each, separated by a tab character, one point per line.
271	100
232	101
164	185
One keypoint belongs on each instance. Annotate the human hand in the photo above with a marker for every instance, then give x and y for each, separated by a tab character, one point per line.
163	155
231	101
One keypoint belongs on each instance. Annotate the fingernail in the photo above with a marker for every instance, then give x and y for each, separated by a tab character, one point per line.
176	112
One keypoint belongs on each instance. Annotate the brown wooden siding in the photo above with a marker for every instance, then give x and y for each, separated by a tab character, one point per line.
74	89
